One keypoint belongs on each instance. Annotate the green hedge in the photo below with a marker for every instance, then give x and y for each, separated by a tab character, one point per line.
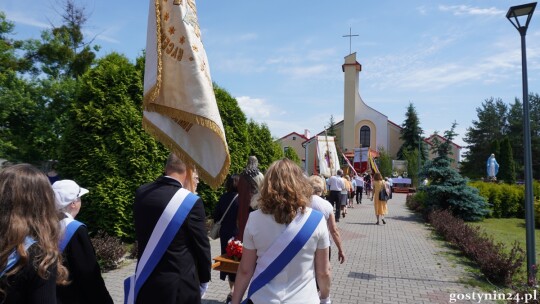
507	201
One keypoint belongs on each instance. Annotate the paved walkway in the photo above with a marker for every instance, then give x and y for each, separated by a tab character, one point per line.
394	263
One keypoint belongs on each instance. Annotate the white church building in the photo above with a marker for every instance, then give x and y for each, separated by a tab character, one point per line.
362	127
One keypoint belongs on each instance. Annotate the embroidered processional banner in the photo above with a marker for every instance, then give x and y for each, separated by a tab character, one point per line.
180	108
327	156
361	158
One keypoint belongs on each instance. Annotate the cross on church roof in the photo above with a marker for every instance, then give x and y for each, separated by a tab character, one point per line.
350	39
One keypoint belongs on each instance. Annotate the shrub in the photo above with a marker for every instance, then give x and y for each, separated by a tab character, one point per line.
505	200
109	250
133	250
496	265
537	215
526	293
416	201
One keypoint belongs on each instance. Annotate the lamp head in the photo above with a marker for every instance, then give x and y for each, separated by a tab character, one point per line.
524	10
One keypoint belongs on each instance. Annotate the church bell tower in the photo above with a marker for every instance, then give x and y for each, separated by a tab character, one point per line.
351	69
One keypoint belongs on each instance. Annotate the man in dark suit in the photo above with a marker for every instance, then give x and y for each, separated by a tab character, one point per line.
184	270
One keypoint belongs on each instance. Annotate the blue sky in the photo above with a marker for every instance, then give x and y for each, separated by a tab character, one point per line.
282	59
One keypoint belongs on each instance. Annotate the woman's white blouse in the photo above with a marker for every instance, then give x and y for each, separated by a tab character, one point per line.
296	282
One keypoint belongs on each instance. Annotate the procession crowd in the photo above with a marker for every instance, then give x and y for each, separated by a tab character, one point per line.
285	221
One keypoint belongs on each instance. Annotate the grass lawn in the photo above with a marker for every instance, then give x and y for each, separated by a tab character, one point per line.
507	231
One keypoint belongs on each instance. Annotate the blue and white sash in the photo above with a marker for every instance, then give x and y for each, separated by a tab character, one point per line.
284	249
166	228
14	256
69	225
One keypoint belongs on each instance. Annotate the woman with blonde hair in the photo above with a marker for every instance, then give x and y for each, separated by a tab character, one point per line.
30	262
344	195
381	207
268	262
324	206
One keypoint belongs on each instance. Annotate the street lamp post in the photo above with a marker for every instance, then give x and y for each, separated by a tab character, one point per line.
419	158
526	11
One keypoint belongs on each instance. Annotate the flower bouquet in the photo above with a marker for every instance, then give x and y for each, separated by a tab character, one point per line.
229	261
234	249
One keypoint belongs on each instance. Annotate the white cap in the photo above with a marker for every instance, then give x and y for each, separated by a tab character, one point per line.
67	191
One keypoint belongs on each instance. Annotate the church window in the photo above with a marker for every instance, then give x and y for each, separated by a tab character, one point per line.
365	136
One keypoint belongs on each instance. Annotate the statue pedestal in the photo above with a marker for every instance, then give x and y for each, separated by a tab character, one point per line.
491	179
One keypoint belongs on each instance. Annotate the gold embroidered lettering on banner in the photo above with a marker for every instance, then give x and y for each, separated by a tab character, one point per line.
184	124
171	48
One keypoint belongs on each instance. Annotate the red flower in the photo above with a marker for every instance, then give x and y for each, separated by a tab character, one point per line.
234	249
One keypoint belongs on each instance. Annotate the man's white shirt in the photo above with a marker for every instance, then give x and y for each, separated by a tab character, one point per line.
336	183
359	181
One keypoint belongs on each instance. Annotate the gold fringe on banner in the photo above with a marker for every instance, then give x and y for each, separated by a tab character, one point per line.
183	155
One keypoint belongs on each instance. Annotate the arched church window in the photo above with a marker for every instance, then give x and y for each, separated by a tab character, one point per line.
365	136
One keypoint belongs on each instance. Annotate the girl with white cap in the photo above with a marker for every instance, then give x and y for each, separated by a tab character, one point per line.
87	285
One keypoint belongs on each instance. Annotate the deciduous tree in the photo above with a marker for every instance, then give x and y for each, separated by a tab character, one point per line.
291	154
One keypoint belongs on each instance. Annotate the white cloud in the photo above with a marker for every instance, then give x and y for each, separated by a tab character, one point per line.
292	55
231	39
100	36
459	10
239	64
256	108
299	123
320	70
246	37
420	68
283	60
422	10
321	55
492	69
26	20
282	122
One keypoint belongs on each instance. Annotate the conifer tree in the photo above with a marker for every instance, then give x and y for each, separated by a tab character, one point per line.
515	135
262	145
411	134
507	170
495	148
105	148
236	128
447	188
330	129
413	167
492	123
